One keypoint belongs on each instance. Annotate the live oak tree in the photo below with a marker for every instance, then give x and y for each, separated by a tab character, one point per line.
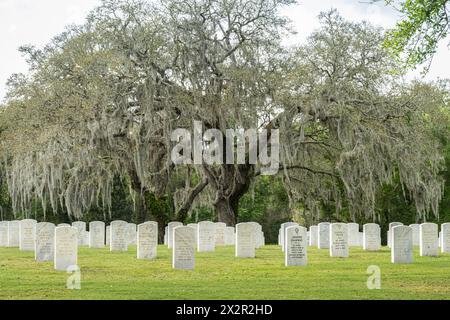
102	99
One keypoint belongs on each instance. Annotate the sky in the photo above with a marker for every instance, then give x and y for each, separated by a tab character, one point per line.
36	22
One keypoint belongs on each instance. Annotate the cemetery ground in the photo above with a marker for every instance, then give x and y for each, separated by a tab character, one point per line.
220	276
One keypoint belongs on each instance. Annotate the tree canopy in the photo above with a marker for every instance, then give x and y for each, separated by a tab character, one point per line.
102	99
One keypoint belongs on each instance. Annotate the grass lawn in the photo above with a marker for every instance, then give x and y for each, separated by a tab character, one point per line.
219	275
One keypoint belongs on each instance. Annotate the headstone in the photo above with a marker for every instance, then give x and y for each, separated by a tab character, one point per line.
27	234
63	225
296	246
81	228
324	235
429	239
119	236
283	230
360	239
245	240
183	255
220	233
353	234
166	236
392	225
147	240
339	240
229	236
13	234
66	247
45	242
132	234
86	236
401	245
97	234
195	227
108	236
440	239
445	241
313	236
172	225
206	236
279	237
416	234
371	237
3	233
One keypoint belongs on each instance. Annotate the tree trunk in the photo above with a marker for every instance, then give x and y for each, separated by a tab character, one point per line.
225	212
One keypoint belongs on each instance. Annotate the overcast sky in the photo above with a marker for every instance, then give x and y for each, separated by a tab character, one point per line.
36	22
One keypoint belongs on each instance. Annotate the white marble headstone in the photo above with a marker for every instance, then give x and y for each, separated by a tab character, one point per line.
401	245
3	233
66	248
108	235
13	233
132	233
220	233
445	241
392	225
283	230
27	234
81	228
171	226
429	239
416	234
371	237
353	234
296	246
324	235
245	240
183	255
195	227
313	236
97	234
45	242
119	236
339	240
229	236
206	237
147	240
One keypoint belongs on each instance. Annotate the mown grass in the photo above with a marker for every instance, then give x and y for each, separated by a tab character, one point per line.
219	275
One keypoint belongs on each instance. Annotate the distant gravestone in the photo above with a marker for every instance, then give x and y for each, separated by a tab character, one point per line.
63	225
401	245
229	236
360	239
97	234
108	235
429	239
66	247
324	235
183	255
392	225
220	233
147	240
279	237
445	241
45	242
296	246
416	234
283	230
13	234
119	236
206	236
132	233
3	233
353	234
81	228
339	240
245	240
195	227
313	235
170	228
27	234
86	236
166	236
371	237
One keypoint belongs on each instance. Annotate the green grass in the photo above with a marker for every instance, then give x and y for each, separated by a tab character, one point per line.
219	275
